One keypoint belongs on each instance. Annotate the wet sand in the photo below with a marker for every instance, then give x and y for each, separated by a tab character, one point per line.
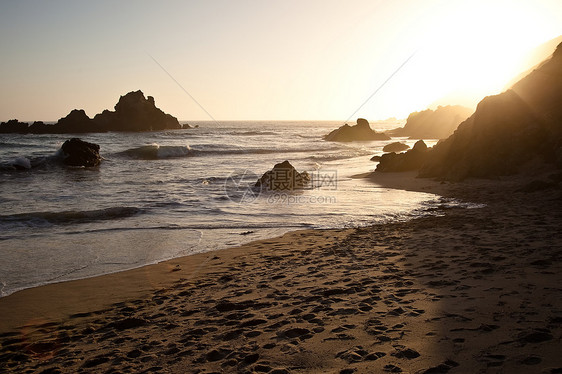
464	291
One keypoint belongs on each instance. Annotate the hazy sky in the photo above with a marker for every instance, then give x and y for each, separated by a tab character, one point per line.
259	59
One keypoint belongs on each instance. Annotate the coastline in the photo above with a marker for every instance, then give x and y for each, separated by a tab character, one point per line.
101	292
468	290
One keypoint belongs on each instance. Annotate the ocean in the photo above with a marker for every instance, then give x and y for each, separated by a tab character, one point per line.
162	195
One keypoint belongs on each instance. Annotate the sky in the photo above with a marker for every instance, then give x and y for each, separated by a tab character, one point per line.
264	59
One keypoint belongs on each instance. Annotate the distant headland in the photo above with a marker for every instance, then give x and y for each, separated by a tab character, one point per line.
133	112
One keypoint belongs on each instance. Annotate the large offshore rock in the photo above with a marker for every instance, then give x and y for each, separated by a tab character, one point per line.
77	152
283	177
360	132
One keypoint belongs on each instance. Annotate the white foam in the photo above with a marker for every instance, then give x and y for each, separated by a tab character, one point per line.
173	151
22	162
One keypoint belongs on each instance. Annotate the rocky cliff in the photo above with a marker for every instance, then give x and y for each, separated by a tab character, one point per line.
505	132
433	124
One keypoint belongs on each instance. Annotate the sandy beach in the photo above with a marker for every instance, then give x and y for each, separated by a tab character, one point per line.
281	187
463	291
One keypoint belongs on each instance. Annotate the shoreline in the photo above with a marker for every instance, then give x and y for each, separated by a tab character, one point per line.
126	284
465	291
394	183
402	181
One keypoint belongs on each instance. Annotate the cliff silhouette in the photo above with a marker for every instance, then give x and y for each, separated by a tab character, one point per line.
520	125
433	124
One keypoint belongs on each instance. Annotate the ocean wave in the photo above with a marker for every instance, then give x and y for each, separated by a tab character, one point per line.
5	144
313	136
252	133
30	159
70	216
19	163
260	151
249	151
157	152
443	203
334	157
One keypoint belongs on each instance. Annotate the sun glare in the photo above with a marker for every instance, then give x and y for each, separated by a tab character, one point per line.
473	50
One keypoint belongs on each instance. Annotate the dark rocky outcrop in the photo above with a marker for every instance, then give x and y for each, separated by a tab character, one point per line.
433	124
521	125
133	112
283	177
77	152
39	127
14	126
360	132
408	161
507	130
77	121
396	147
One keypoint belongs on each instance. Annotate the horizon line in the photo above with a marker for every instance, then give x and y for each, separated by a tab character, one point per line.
183	121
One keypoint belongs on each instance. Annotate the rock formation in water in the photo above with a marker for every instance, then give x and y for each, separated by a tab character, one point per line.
407	161
39	127
76	152
506	131
13	126
433	124
360	132
395	147
283	177
77	121
133	112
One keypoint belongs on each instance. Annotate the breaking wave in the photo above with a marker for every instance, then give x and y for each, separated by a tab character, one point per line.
157	152
69	217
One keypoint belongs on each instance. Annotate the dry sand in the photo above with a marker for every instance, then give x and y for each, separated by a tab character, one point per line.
468	291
